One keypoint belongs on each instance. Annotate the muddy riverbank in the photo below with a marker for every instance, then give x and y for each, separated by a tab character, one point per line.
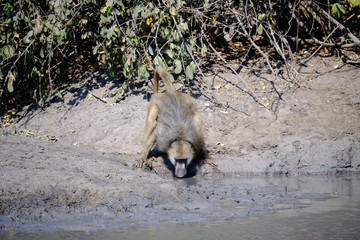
74	159
293	207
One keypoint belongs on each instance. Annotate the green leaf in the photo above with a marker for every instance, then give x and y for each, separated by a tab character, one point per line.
189	71
104	9
203	50
261	16
30	33
42	55
110	33
95	49
184	27
136	12
341	8
355	2
336	9
165	33
8	51
177	64
151	52
260	29
159	62
56	31
206	6
176	36
8	8
171	77
142	72
10	86
104	19
38	28
170	53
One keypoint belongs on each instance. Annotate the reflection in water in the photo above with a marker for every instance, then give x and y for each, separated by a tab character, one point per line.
335	218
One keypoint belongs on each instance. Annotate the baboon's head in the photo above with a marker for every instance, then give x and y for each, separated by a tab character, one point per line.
180	154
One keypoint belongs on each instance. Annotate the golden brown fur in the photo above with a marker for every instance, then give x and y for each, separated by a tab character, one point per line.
174	123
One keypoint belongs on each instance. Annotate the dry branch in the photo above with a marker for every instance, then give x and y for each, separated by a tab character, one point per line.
334	21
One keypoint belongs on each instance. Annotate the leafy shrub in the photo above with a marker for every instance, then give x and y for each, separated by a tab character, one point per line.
38	40
43	40
44	43
134	36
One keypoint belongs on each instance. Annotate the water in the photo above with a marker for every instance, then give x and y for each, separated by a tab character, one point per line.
335	218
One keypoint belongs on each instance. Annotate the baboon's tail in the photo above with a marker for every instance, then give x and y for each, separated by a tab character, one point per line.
160	72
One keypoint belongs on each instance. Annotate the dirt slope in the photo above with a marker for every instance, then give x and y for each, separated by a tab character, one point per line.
313	129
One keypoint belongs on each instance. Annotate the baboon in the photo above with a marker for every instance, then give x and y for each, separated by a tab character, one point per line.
174	123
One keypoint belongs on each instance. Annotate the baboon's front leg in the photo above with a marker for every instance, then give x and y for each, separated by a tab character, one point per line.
149	136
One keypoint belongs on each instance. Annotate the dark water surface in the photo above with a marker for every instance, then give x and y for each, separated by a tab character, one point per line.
336	216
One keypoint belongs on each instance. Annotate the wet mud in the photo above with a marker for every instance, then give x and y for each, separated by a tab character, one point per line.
71	164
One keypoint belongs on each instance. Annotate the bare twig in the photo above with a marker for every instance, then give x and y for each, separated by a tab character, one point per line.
339	44
49	61
255	96
337	24
313	54
255	45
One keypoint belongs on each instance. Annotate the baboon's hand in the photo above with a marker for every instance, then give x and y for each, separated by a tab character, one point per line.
139	162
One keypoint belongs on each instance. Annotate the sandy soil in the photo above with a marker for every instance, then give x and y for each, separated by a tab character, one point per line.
75	158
